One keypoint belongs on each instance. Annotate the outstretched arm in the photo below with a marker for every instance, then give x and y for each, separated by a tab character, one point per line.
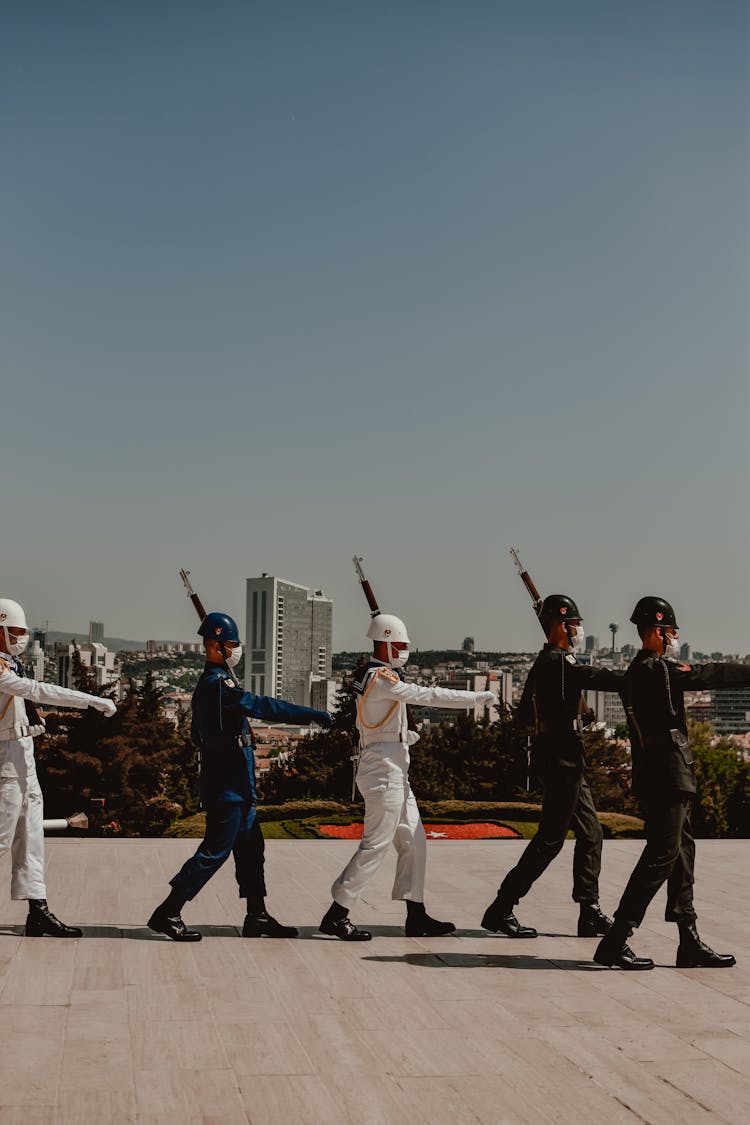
587	678
272	710
389	686
719	676
51	694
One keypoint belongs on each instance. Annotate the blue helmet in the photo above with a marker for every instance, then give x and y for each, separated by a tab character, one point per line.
219	627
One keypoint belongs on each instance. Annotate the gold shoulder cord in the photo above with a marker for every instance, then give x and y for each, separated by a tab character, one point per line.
360	704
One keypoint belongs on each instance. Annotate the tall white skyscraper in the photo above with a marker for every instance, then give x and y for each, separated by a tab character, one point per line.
289	637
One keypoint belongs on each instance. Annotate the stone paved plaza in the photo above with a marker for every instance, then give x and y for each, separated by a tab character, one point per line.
125	1026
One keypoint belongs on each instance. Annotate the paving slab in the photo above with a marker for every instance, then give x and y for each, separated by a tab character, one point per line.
125	1026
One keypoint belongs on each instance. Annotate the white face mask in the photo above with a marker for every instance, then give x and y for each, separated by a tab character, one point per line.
17	646
672	647
398	659
233	657
577	638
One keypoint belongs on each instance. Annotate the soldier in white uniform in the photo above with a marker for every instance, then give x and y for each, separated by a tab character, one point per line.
391	812
21	808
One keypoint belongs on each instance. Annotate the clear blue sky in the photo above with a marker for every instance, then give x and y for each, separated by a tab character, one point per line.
282	281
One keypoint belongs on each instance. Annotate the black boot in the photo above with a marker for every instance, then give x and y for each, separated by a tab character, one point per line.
420	924
166	919
692	953
261	924
500	920
613	950
336	923
592	921
41	921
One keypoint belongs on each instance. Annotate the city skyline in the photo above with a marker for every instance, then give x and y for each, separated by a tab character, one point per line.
423	282
625	643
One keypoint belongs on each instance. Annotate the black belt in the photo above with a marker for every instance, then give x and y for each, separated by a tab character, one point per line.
240	741
545	728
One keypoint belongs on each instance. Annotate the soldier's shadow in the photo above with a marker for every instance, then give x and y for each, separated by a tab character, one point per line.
460	932
485	961
129	933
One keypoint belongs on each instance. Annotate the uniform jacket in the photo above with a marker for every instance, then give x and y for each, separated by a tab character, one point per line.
221	729
653	694
382	713
16	733
551	703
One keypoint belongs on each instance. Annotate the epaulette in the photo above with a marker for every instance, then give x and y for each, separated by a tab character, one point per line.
359	687
5	667
391	676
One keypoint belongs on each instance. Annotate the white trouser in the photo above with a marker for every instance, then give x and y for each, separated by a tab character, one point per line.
21	830
391	817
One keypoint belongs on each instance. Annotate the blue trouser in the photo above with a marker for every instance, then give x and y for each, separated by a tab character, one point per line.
231	826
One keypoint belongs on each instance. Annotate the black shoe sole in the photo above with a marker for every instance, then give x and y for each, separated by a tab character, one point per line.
626	966
429	933
158	929
360	935
178	940
704	965
510	934
265	933
47	933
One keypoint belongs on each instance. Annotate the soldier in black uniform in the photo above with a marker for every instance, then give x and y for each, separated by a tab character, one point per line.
664	782
552	705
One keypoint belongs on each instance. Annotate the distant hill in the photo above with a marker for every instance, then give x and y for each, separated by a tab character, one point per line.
115	644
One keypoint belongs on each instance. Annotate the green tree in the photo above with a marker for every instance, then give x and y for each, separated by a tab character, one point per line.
138	761
722	803
608	773
320	765
470	761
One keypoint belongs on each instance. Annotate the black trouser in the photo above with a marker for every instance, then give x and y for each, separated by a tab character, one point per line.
230	827
669	856
567	803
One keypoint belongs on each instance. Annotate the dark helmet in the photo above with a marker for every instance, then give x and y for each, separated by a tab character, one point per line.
558	607
219	627
651	611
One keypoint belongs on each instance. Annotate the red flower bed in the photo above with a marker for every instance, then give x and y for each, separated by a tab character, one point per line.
434	831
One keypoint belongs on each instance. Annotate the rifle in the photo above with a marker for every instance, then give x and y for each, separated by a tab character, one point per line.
372	601
185	576
528	582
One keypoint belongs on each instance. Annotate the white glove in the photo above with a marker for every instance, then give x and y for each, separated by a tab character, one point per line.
487	698
106	706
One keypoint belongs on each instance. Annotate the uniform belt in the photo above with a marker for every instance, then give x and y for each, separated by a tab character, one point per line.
23	731
236	741
388	741
549	728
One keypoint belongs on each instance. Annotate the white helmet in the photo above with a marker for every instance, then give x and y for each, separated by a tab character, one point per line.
386	627
11	614
12	617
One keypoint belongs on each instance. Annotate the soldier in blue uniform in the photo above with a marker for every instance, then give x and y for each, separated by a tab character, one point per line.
227	785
